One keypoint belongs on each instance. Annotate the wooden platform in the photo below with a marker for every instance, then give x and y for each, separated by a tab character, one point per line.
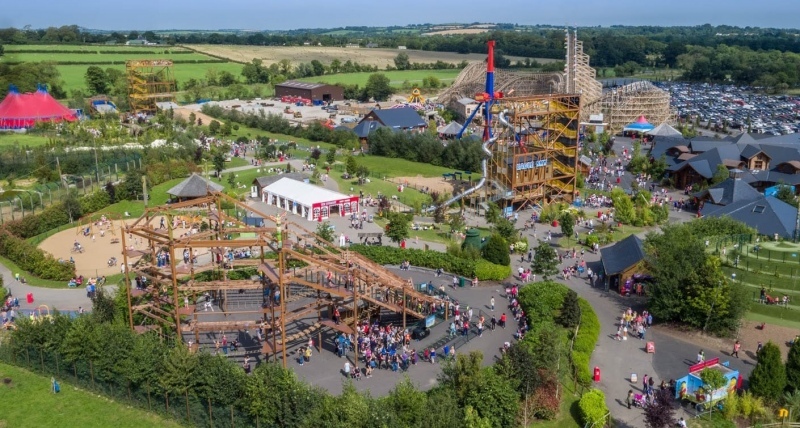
344	328
186	310
145	328
266	348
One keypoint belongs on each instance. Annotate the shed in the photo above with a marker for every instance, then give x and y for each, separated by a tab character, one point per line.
308	90
307	200
621	261
195	186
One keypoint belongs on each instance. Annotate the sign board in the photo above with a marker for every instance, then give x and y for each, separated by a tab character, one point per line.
522	166
430	320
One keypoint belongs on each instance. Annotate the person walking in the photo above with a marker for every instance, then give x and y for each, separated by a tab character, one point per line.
491	303
503	320
493	322
736	347
629	398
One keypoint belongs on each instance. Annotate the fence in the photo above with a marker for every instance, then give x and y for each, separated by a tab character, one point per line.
186	408
29	202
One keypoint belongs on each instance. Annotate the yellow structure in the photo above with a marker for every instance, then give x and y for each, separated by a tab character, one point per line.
149	82
416	96
535	157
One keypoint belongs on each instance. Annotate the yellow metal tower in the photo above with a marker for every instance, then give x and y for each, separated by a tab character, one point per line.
149	82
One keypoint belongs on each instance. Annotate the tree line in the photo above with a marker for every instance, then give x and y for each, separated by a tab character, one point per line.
608	46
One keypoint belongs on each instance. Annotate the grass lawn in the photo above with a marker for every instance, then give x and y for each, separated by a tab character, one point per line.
395	167
94	57
376	186
134	208
439	235
10	139
32	280
10	49
753	316
396	78
73	75
29	403
236	162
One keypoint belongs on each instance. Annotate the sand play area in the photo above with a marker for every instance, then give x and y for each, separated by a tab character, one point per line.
435	184
101	243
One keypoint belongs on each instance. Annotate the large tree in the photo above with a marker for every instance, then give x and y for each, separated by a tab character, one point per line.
378	87
793	367
96	80
768	378
690	285
545	261
397	229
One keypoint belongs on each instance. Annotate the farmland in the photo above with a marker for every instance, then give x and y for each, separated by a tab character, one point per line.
396	78
73	75
72	61
303	54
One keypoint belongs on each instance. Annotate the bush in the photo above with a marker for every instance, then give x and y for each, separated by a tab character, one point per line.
591	240
496	251
33	260
486	271
580	362
542	300
94	202
592	406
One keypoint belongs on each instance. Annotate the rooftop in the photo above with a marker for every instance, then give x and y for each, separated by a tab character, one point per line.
301	85
303	193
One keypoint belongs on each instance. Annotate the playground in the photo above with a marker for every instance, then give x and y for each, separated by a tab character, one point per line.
95	245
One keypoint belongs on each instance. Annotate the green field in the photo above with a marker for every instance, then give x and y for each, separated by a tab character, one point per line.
8	139
10	49
73	75
394	167
28	402
396	78
85	57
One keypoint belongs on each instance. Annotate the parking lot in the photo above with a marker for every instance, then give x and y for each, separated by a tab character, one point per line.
340	112
738	107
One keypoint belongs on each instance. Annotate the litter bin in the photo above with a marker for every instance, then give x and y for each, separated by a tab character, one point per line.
461	281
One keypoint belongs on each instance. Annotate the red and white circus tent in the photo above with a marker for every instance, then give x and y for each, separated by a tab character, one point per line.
18	111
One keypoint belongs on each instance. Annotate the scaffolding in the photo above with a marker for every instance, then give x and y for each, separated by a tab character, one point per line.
173	294
534	160
623	105
149	82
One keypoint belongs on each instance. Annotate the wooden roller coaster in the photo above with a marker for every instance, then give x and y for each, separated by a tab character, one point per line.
163	290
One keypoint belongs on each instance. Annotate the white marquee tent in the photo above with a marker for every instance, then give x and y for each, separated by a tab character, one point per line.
307	200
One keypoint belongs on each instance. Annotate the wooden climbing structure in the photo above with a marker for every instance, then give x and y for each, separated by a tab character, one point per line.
183	270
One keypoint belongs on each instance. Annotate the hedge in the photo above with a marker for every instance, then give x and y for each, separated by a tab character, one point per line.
585	342
487	271
592	407
542	302
54	216
431	259
33	260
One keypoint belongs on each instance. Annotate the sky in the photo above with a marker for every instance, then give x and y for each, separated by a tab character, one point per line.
292	14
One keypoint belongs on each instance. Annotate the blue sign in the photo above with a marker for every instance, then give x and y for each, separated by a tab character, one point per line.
521	166
430	320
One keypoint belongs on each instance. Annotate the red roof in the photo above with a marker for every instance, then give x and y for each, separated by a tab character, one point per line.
24	110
